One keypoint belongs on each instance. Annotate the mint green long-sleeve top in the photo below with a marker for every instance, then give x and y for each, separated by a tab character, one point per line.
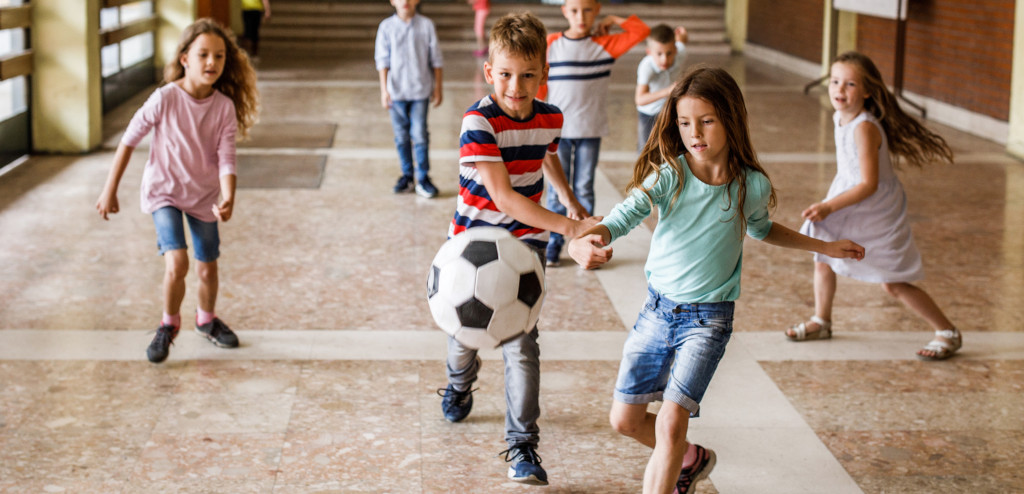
697	248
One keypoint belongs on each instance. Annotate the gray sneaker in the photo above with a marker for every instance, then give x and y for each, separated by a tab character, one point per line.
219	333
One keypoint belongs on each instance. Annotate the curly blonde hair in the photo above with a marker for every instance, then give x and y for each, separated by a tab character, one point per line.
238	81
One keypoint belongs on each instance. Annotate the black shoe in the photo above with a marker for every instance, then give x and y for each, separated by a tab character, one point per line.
456	405
525	466
161	344
426	188
700	470
219	333
403	185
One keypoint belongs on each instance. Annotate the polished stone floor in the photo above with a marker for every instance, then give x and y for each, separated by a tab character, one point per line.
333	387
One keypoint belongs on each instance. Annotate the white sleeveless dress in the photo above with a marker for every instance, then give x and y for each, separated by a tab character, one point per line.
878	223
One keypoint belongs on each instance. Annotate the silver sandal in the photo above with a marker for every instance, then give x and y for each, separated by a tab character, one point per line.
800	331
943	349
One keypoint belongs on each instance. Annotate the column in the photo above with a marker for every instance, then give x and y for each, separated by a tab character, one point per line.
1015	140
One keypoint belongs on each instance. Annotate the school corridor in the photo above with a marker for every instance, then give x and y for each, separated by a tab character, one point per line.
323	277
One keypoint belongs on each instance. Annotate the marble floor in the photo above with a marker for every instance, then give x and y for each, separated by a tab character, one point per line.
333	389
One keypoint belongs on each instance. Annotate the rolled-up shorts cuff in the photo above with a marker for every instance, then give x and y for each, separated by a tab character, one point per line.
637	399
684	401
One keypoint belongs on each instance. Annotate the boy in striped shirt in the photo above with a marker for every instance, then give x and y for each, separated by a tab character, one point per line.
507	147
581	64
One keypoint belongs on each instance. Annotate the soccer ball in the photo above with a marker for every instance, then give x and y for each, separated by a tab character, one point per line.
485	286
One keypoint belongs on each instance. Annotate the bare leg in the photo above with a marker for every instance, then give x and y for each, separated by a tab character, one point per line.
667	460
824	294
633	421
918	301
208	285
175	269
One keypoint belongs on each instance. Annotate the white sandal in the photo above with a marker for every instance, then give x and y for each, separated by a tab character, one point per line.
800	331
942	349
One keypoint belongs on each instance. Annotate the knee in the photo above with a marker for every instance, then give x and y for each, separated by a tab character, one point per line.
625	425
206	271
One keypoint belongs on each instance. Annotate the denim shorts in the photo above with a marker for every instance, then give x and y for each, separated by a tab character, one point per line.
170	234
673	351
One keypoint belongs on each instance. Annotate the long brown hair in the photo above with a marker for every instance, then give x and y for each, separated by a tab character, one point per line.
908	139
715	86
238	81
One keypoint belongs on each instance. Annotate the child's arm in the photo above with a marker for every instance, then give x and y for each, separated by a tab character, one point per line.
682	36
588	249
499	187
634	31
644	95
868	140
107	203
227	202
437	87
555	175
782	236
385	98
605	26
266	10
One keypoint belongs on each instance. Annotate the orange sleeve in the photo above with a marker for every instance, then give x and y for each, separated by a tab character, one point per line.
617	44
542	94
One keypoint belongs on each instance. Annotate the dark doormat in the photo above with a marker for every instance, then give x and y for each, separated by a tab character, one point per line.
291	135
280	171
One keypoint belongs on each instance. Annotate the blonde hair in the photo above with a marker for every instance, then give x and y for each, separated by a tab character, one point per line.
519	34
908	139
237	82
715	86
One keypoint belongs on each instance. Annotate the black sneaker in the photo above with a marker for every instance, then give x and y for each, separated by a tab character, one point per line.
161	344
219	333
525	466
456	405
425	188
403	185
700	470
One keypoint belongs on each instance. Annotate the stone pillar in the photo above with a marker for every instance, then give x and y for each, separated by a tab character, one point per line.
67	110
736	14
174	16
1015	140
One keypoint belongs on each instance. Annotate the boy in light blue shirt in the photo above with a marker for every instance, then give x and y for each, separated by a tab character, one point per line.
408	58
654	76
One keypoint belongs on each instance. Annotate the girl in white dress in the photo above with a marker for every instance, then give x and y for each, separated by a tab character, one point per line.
866	202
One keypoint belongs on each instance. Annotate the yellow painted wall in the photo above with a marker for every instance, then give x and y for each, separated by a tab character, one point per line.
1015	141
66	93
736	13
175	16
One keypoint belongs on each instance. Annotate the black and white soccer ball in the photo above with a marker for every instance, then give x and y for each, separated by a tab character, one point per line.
485	286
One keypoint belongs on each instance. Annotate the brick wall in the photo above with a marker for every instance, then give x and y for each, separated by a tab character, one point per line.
793	27
957	54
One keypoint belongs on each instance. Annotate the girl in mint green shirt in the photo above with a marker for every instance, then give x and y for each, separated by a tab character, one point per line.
700	171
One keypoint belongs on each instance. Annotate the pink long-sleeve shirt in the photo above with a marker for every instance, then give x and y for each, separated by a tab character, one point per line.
193	145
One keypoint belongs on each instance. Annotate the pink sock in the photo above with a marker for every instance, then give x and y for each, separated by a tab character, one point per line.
174	320
203	317
691	456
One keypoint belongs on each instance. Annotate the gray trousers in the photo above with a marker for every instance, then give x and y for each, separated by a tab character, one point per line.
522	383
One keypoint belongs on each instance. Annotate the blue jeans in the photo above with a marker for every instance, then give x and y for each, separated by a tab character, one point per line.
644	124
522	383
170	234
673	351
579	162
409	121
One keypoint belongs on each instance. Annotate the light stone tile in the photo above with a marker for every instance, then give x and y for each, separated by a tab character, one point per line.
204	413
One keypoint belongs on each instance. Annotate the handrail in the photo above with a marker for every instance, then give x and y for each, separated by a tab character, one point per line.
16	65
16	17
117	3
120	33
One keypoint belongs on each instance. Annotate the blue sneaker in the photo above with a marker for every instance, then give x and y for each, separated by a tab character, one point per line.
403	185
689	476
525	466
456	405
425	188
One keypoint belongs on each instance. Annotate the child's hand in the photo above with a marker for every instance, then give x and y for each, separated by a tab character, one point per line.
107	204
681	35
589	252
223	210
575	211
844	249
437	97
604	27
385	100
583	225
817	211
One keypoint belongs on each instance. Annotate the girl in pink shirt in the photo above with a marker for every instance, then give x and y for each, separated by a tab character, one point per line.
210	97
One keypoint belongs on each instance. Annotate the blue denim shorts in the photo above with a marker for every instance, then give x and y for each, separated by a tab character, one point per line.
170	234
673	351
